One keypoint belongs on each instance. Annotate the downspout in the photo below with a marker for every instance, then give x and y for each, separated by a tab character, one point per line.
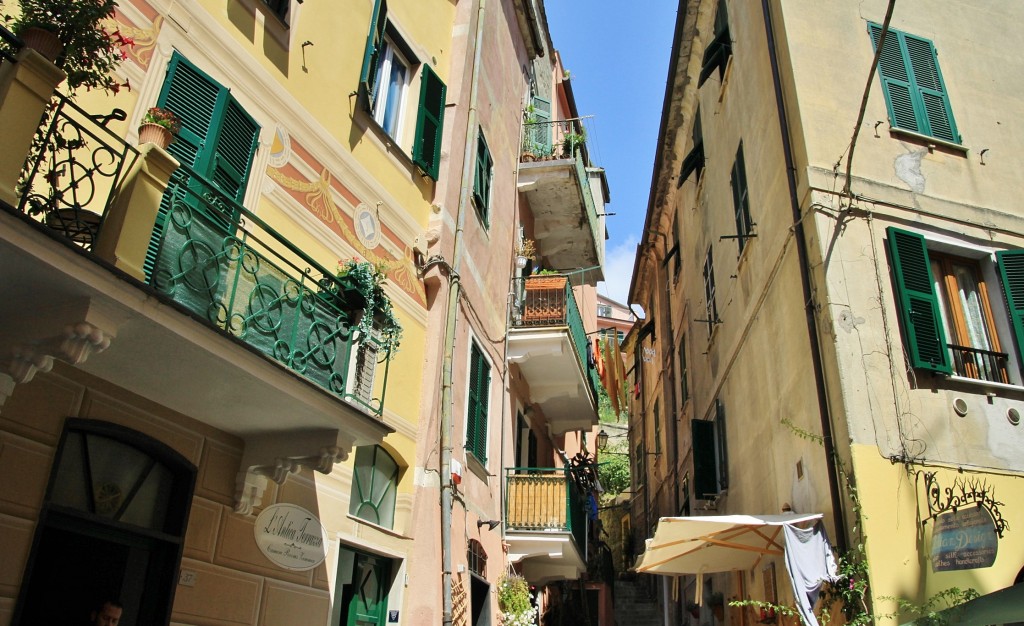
805	282
454	288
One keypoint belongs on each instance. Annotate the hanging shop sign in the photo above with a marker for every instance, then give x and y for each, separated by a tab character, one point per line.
968	523
291	537
964	539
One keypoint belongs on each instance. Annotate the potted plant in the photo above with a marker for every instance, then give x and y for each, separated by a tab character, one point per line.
358	290
73	36
514	601
571	142
158	126
526	251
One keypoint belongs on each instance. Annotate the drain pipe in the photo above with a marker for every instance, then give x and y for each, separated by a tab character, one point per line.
451	322
805	281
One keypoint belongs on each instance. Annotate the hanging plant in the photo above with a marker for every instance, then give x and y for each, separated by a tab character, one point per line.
360	286
515	603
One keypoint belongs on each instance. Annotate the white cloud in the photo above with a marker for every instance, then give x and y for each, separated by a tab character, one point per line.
618	270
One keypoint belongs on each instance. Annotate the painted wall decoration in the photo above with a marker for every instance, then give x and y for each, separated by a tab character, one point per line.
358	224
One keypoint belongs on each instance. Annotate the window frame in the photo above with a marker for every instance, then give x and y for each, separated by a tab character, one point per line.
483	178
719	49
279	8
919	302
478	399
904	74
389	494
741	200
710	304
710	455
389	54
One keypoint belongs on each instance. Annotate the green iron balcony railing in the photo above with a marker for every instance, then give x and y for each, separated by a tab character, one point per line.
226	265
545	499
548	300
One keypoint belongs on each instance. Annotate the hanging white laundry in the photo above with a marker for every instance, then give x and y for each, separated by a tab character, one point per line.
810	562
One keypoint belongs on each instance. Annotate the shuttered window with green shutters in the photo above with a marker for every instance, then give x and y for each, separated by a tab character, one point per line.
426	146
716	55
217	140
479	396
741	200
920	315
915	94
1011	271
482	180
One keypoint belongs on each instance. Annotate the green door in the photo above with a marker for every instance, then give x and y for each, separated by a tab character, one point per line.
367	595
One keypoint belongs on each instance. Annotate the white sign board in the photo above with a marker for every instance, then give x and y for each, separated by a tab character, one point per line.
291	537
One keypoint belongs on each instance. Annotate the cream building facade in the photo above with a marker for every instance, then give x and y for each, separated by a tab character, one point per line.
833	322
194	417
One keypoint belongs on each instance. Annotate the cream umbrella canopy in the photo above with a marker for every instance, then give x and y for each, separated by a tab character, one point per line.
715	543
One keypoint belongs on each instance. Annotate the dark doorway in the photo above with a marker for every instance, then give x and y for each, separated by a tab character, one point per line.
112	528
480	596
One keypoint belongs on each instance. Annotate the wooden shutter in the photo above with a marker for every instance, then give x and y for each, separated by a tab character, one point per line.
741	198
233	151
705	480
426	149
540	133
920	316
721	447
717	54
479	391
912	83
371	55
482	180
1011	271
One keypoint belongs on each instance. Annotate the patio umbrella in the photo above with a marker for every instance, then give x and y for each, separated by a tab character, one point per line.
715	543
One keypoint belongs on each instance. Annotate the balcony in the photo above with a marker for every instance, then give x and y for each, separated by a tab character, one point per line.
980	364
545	524
165	287
553	176
548	342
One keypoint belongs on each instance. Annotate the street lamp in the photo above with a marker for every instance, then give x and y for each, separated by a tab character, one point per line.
602	440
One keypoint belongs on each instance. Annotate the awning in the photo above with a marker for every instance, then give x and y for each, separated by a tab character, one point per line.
999	607
715	543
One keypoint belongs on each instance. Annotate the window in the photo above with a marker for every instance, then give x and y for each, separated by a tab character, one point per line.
374	482
741	200
716	55
476	557
694	160
385	83
675	253
217	141
657	426
710	455
684	391
947	311
710	307
279	7
482	180
479	395
604	310
915	95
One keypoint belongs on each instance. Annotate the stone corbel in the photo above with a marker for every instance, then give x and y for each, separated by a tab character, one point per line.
71	333
276	456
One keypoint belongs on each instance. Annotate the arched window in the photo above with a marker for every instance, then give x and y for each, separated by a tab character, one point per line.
374	483
112	527
477	558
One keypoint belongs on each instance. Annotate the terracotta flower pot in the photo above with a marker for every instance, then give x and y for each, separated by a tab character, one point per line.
155	133
43	41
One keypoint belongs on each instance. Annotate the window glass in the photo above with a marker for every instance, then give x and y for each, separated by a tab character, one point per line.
390	91
374	482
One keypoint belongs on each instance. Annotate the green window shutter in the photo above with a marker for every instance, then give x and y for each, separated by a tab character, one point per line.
717	54
705	481
721	447
479	392
540	133
915	95
482	179
237	138
1011	271
920	316
741	199
426	149
374	41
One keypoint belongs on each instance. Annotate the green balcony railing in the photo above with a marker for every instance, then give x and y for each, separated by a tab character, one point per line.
591	206
548	300
545	499
229	268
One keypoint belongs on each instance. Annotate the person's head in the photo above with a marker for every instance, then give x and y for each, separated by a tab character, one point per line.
107	613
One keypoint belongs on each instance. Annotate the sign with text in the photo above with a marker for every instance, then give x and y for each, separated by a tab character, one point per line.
291	537
964	539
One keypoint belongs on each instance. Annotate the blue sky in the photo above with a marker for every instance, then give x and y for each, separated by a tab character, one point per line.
617	54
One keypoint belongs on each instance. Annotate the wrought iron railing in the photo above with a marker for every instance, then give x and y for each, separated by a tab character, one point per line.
545	499
73	167
980	364
548	300
558	139
220	261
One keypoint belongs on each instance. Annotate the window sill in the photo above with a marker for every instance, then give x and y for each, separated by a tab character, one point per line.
931	142
477	466
987	384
